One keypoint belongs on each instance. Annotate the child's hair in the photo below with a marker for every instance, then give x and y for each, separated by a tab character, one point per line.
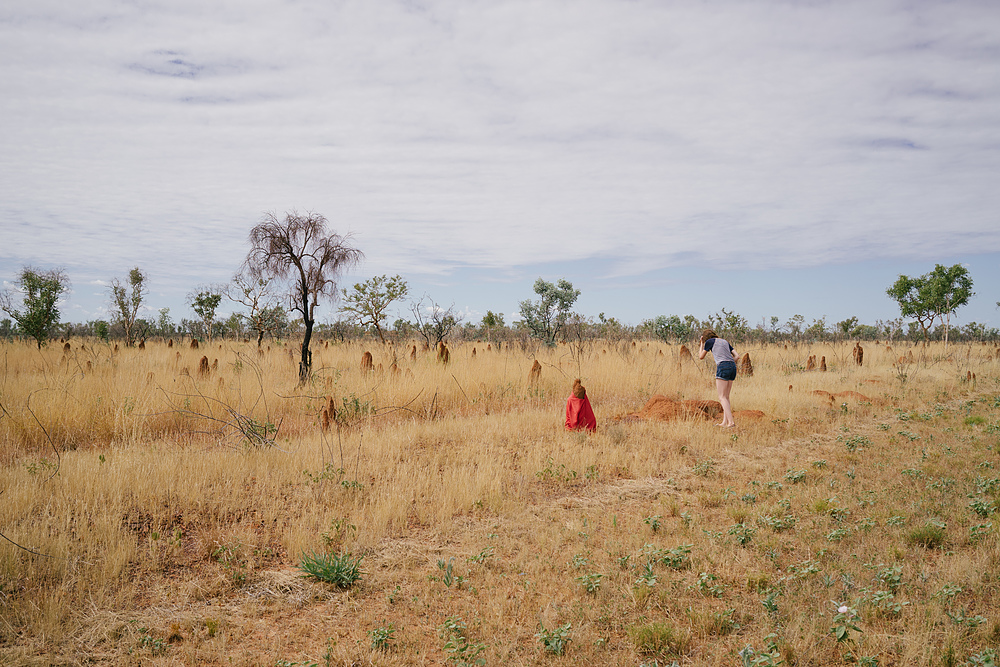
708	333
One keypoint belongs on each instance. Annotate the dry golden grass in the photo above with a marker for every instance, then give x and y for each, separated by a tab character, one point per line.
172	528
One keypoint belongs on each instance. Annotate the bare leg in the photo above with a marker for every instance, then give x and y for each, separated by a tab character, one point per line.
724	387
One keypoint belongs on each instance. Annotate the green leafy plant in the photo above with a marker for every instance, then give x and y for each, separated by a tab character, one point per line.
891	576
961	618
704	468
678	558
742	533
352	410
553	472
461	651
232	560
795	476
856	442
155	645
555	640
979	531
777	524
706	585
382	637
647	576
751	658
982	507
339	529
770	601
985	658
482	556
884	604
590	582
845	620
342	570
837	535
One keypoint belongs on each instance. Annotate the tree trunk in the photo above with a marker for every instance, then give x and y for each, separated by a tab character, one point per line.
305	363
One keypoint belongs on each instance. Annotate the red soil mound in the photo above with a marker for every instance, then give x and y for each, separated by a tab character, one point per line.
662	408
843	394
852	394
747	415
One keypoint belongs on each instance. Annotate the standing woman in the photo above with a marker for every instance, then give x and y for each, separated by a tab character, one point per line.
725	371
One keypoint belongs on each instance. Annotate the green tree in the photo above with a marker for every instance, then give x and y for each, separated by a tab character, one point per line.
491	322
934	295
301	251
848	326
546	316
204	303
367	302
102	330
817	330
126	301
795	325
39	293
164	325
730	325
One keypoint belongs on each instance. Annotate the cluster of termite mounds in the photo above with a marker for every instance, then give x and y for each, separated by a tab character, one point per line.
811	363
328	415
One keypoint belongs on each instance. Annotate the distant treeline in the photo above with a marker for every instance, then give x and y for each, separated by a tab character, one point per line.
673	329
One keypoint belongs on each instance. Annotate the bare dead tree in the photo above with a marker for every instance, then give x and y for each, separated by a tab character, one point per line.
264	314
434	323
300	250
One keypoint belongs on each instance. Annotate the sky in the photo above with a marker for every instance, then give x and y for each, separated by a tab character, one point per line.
769	157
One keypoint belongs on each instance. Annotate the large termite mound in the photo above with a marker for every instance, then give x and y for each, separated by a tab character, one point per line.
535	374
662	408
842	394
745	366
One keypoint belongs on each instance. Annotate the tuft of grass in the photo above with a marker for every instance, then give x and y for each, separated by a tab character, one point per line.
341	570
929	536
658	640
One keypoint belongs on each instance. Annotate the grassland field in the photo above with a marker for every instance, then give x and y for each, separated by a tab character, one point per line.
153	513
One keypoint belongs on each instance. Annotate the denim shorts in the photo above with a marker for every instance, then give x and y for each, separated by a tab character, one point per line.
726	370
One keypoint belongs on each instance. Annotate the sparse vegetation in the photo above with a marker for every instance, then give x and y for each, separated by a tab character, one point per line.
148	529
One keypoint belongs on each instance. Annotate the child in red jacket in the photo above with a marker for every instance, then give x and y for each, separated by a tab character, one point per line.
579	414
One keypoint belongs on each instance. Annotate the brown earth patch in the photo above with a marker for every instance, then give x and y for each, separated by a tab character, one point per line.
852	394
661	408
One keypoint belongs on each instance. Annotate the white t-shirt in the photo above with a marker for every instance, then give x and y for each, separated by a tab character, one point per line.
721	350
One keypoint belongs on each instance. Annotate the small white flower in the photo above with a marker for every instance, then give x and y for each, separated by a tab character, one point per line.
843	610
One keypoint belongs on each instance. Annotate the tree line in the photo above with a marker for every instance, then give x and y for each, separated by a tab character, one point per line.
295	263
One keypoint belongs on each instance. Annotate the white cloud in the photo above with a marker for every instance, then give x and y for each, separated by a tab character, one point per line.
446	134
